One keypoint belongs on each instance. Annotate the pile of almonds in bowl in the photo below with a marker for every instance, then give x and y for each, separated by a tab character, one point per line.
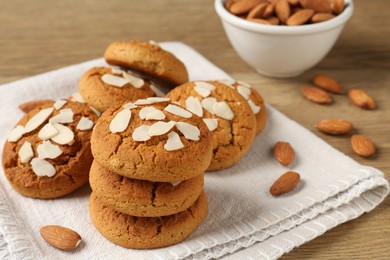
286	12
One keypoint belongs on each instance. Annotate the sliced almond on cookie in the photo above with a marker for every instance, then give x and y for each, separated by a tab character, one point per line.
208	104
120	122
155	115
145	111
255	108
60	103
178	111
204	85
193	104
76	97
116	70
38	119
48	150
26	152
222	109
136	82
244	92
141	133
65	116
47	132
16	133
173	143
211	123
189	131
42	168
204	92
114	80
65	134
160	128
129	105
84	124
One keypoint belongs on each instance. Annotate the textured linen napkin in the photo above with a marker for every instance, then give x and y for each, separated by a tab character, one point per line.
244	220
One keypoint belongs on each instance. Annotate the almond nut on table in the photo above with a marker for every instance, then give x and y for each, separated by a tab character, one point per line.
334	126
284	153
316	95
61	237
328	83
362	145
361	99
285	183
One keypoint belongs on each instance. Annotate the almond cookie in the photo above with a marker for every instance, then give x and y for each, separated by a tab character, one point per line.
254	99
147	58
103	87
143	198
152	139
48	154
140	232
227	115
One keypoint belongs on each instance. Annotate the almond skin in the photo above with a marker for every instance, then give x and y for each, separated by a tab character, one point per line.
328	83
286	183
316	95
319	6
258	11
334	126
258	20
361	99
28	106
241	7
321	17
60	237
284	153
337	6
282	10
362	145
300	17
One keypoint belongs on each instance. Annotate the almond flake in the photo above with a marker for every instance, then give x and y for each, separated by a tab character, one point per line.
158	99
136	82
208	104
222	109
47	132
48	150
97	112
202	91
242	83
65	116
193	104
60	103
156	115
189	131
173	143
141	133
254	107
228	83
65	135
120	122
153	43
129	105
156	90
42	168
175	183
160	128
143	102
38	119
114	80
116	70
204	85
16	133
84	124
26	152
211	123
77	98
145	111
244	92
178	111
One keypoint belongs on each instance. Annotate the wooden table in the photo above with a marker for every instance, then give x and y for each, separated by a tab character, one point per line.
43	35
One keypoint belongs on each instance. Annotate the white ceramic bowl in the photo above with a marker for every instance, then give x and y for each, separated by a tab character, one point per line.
282	51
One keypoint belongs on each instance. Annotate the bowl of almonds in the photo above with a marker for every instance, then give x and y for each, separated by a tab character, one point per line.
283	38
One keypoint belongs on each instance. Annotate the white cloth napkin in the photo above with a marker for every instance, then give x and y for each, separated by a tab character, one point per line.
244	220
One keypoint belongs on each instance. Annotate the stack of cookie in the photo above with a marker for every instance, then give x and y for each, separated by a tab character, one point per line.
137	70
148	173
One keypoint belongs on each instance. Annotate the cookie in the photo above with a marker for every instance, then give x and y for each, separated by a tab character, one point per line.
48	154
102	87
227	115
148	58
140	232
143	198
152	140
254	99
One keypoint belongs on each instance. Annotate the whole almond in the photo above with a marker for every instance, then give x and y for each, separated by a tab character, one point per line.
328	83
28	106
321	17
61	237
258	20
300	17
319	6
273	20
244	6
334	126
229	3
286	183
316	95
258	11
362	145
293	2
361	99
282	10
284	153
337	6
269	10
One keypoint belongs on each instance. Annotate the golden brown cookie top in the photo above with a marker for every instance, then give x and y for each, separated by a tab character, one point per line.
148	58
47	141
103	87
227	115
152	139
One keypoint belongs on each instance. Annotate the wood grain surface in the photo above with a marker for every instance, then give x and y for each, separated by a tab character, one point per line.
42	35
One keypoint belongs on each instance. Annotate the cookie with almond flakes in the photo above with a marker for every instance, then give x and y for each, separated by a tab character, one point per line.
47	154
